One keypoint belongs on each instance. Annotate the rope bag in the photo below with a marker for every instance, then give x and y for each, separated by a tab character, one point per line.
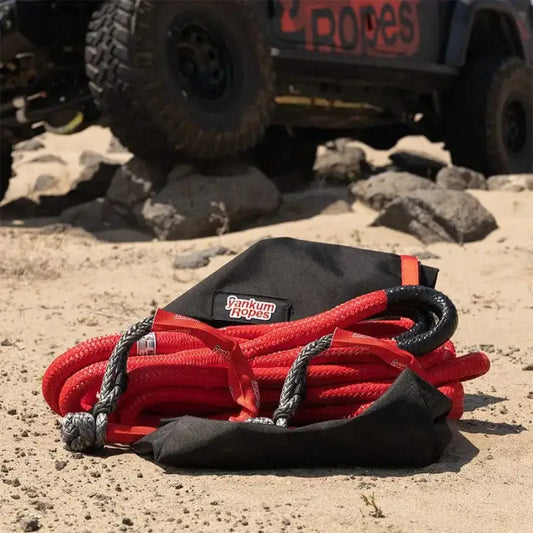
292	376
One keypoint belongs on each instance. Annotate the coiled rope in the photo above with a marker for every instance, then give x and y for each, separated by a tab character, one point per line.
327	366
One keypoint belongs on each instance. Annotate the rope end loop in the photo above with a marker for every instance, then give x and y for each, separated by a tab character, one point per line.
81	432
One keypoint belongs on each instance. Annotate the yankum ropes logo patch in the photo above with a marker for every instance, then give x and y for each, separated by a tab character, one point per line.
249	308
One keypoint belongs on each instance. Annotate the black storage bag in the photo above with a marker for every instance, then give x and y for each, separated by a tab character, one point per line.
302	278
405	427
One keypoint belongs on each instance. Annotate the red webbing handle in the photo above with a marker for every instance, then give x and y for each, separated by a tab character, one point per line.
241	380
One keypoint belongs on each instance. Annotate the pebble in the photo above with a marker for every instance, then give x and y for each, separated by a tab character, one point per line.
30	524
60	465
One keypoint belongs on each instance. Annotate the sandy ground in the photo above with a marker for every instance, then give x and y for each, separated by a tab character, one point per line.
60	287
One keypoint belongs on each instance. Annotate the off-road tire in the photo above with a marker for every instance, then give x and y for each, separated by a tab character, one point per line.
6	162
128	65
474	115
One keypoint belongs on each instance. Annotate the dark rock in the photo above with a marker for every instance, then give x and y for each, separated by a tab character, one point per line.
460	178
45	182
345	163
134	182
19	208
180	171
511	182
417	163
48	158
438	215
190	261
94	181
60	465
309	203
30	145
96	215
381	189
199	205
30	524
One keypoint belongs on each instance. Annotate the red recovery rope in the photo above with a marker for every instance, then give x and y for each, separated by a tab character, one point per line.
186	367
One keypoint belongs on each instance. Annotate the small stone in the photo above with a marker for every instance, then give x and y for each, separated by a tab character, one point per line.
127	521
30	524
60	465
528	367
12	412
199	259
195	260
24	433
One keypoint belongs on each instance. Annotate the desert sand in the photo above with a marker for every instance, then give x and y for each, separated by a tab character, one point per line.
60	286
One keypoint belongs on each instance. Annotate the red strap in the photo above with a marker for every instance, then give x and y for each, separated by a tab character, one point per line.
241	380
410	270
385	349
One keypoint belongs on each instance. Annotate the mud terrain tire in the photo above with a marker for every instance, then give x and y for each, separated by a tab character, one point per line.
187	76
489	117
6	160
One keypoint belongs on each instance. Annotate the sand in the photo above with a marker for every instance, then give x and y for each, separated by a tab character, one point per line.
60	286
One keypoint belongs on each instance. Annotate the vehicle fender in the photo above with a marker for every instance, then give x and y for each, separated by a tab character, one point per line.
462	21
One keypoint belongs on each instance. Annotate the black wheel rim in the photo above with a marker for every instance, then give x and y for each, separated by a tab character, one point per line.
514	126
199	61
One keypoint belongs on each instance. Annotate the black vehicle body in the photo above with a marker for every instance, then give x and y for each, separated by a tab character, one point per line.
375	70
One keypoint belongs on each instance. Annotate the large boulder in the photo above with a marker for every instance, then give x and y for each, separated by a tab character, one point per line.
511	182
460	178
309	203
434	215
134	182
94	180
197	205
96	215
341	162
381	189
417	163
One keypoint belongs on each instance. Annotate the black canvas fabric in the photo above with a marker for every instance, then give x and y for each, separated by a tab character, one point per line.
406	427
302	278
